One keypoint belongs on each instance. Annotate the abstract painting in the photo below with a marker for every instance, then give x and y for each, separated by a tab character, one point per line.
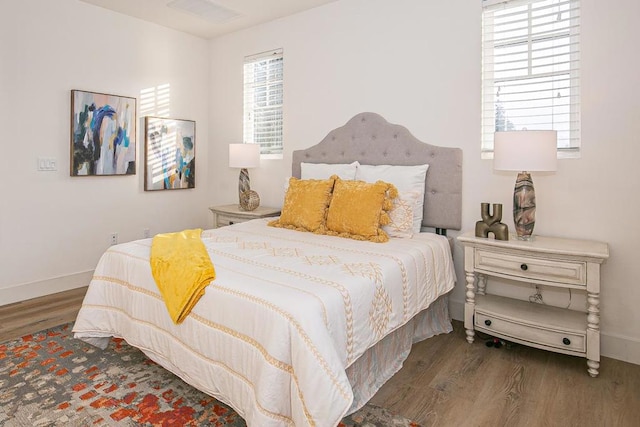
103	134
170	156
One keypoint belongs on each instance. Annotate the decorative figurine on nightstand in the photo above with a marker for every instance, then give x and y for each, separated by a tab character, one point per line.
491	223
249	200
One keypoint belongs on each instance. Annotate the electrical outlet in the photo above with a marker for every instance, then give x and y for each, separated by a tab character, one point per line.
114	238
47	164
146	233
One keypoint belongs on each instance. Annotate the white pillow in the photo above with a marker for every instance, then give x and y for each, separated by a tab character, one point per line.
401	215
325	170
405	178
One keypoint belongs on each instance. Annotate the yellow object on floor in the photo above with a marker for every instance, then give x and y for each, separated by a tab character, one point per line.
182	270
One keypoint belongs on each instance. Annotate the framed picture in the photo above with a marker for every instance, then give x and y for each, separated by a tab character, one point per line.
103	134
170	154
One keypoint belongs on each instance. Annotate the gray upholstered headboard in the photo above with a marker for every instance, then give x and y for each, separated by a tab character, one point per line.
371	140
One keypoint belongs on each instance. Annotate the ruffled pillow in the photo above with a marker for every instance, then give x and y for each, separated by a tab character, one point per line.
305	205
401	214
358	210
405	178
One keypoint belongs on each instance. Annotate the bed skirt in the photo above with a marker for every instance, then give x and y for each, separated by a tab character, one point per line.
378	364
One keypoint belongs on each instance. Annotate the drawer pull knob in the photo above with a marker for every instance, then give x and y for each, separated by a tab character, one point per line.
566	341
524	267
488	323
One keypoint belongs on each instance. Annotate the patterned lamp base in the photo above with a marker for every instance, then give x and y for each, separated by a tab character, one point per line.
247	198
524	206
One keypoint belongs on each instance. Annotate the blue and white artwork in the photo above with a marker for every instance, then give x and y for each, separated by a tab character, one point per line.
170	154
103	134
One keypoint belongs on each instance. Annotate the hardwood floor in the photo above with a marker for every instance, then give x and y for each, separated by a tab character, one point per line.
25	317
448	382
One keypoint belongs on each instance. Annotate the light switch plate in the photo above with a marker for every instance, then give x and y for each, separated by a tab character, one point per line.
47	164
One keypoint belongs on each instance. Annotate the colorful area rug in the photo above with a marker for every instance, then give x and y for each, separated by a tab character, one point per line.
51	379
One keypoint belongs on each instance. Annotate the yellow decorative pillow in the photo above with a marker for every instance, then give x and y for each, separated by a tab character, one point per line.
305	205
358	210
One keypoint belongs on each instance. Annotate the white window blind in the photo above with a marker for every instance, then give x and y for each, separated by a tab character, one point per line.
263	90
531	70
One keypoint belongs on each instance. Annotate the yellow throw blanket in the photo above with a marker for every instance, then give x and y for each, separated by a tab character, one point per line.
182	270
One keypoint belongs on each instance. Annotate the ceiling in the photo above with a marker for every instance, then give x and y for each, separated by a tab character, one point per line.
208	18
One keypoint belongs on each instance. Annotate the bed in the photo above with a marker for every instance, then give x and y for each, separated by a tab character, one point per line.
297	328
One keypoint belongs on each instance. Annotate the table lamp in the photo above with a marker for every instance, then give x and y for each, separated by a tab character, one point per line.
245	156
525	151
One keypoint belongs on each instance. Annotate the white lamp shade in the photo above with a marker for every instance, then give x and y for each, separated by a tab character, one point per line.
244	156
525	150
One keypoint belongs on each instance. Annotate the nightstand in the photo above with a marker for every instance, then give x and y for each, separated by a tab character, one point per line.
230	214
545	261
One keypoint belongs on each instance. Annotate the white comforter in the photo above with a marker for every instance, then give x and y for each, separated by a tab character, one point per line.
287	313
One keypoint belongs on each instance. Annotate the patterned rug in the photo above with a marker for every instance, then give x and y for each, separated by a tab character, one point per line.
51	379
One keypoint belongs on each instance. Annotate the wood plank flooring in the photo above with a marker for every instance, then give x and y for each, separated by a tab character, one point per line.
25	317
448	382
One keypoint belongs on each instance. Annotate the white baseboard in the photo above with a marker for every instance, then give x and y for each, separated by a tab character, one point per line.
41	288
621	348
617	347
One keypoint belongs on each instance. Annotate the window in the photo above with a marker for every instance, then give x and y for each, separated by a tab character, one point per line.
263	102
531	70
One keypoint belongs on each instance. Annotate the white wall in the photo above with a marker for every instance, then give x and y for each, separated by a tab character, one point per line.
417	63
53	228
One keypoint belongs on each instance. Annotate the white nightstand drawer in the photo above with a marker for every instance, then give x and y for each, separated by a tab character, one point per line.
223	220
510	329
531	267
